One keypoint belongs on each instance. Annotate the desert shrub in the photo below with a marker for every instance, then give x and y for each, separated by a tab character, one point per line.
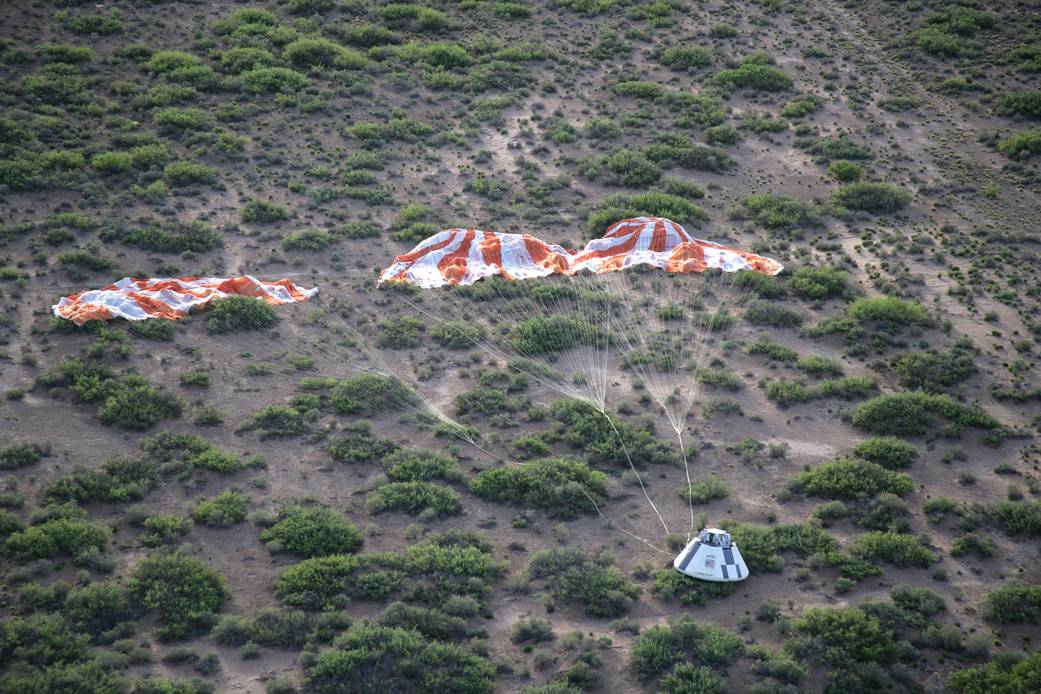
23	454
184	452
998	676
97	607
112	162
186	173
801	106
639	89
818	365
431	623
623	167
307	52
239	313
173	237
850	479
772	350
756	73
760	312
278	421
63	535
685	677
705	490
887	311
540	336
876	198
40	640
135	404
457	334
100	24
670	584
487	401
370	393
182	119
1014	604
895	548
222	511
117	479
360	229
887	451
659	649
369	658
242	58
415	497
401	332
1017	517
819	283
573	576
845	171
169	61
847	635
312	531
933	371
263	212
160	530
561	486
360	446
585	428
842	147
268	80
688	58
412	464
531	630
786	393
612	208
183	590
905	414
1022	144
775	211
762	547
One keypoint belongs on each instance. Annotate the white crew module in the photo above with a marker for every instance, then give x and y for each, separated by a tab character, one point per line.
712	556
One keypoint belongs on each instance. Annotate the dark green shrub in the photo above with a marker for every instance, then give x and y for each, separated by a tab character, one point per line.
431	623
887	451
575	577
888	311
186	173
182	119
612	208
457	334
401	332
875	198
102	25
160	530
183	590
412	464
845	171
705	490
843	147
531	630
117	479
819	284
760	312
98	607
222	511
175	237
369	658
933	371
998	676
900	550
23	454
623	167
561	486
660	648
263	212
601	437
307	52
1021	145
312	531
40	640
851	479
685	678
906	414
135	404
762	547
775	211
772	351
755	72
1017	517
181	452
360	446
1014	604
541	336
801	106
688	58
242	58
238	313
415	497
57	536
268	80
371	393
670	584
847	635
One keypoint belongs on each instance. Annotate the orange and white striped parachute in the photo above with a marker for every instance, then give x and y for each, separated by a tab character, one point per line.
463	256
172	299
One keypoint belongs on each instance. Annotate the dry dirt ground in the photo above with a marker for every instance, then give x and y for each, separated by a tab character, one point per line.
965	248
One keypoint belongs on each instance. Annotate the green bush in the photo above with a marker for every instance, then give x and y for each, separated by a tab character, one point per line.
269	80
412	465
169	61
278	421
906	414
263	212
1021	145
769	313
102	25
1014	604
762	547
360	446
112	162
369	658
415	497
575	577
222	511
40	640
659	649
686	678
887	310
847	635
998	676
431	623
186	173
371	393
622	167
308	52
242	58
135	404
23	454
98	607
182	119
842	147
755	73
166	237
775	211
602	437
312	531
239	313
57	536
401	332
457	334
887	451
560	486
541	336
117	479
801	106
705	490
851	479
900	550
184	452
934	371
819	284
845	171
1017	517
612	208
688	58
772	351
876	198
183	590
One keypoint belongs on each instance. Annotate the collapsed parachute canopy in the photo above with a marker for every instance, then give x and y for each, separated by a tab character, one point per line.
463	256
172	299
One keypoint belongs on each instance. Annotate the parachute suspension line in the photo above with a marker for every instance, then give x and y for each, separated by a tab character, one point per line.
690	486
639	477
611	522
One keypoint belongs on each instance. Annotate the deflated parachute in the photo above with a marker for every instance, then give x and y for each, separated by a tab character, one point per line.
463	256
135	299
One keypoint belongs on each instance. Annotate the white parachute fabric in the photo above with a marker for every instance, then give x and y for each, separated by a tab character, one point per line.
171	298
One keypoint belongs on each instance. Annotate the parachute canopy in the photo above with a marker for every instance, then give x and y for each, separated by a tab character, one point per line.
463	256
172	299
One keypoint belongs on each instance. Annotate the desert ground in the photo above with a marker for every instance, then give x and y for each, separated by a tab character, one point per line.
387	488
